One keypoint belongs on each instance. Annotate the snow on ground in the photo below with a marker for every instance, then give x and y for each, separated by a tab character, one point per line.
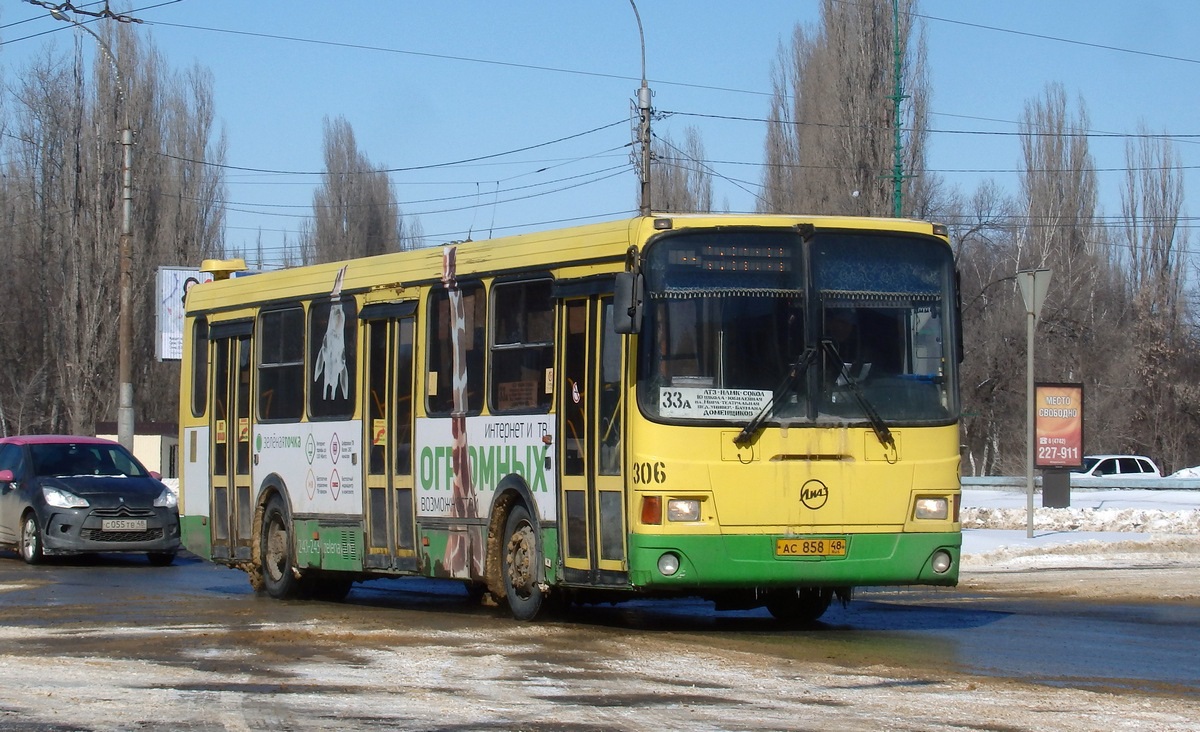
1128	527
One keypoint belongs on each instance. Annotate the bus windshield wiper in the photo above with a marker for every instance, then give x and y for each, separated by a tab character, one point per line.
795	372
881	430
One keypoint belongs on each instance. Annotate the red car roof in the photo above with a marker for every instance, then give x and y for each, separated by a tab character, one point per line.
55	440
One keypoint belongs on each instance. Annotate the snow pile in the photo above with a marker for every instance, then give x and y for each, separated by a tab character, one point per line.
1146	520
1101	528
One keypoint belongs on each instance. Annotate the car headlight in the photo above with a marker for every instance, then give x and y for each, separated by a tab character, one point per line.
59	498
167	499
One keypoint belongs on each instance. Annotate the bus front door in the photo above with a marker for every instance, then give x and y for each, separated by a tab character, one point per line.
232	508
389	510
592	505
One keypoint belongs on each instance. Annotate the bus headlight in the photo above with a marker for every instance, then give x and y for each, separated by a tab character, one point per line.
931	508
668	564
683	509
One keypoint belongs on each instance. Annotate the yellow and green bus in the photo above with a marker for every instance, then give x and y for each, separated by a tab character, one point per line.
758	410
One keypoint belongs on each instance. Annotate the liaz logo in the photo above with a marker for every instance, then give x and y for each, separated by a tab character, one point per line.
814	494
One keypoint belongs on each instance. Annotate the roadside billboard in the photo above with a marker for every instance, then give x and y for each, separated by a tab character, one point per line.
171	285
1058	425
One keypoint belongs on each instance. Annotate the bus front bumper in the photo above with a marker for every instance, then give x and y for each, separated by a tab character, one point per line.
760	561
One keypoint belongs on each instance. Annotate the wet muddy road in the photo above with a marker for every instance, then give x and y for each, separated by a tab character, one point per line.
113	643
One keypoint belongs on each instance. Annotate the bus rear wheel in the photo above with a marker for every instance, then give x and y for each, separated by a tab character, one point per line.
800	605
521	565
275	552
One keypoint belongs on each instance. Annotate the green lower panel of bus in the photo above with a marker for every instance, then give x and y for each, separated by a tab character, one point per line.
334	548
196	536
768	560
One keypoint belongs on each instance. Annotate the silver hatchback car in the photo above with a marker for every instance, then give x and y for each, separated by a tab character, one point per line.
66	494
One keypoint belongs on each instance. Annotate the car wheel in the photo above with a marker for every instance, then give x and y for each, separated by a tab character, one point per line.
31	539
161	559
275	552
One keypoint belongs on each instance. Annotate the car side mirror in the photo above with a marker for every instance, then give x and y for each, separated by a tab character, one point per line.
6	476
156	475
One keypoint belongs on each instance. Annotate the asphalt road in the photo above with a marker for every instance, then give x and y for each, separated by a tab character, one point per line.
112	643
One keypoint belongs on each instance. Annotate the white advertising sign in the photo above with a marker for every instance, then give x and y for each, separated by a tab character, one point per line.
496	447
321	463
171	287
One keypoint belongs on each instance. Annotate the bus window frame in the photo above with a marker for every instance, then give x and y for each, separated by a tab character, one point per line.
315	333
545	348
276	368
476	388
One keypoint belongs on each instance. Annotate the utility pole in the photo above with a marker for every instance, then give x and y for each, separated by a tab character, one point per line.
897	97
643	105
1034	284
125	414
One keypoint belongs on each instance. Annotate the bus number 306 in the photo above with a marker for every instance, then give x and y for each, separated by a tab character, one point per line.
646	473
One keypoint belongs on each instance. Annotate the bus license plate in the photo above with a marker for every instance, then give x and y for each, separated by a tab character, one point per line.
123	525
810	547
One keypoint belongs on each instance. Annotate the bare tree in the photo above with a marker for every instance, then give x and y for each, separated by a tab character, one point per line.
830	141
681	182
992	375
1165	404
1155	245
355	213
63	201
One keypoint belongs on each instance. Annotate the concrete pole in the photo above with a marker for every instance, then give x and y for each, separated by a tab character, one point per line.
125	415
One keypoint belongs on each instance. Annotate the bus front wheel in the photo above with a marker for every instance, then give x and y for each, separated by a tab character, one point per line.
275	552
521	565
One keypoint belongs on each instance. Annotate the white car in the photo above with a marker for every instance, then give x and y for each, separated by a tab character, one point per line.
1126	466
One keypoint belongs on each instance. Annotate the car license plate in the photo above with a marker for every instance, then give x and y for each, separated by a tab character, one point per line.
123	525
810	547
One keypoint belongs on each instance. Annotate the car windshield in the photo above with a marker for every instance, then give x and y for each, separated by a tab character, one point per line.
77	459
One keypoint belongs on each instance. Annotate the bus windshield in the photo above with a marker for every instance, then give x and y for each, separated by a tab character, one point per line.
851	323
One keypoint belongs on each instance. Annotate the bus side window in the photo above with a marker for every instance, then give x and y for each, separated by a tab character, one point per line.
522	346
332	355
280	344
199	367
440	365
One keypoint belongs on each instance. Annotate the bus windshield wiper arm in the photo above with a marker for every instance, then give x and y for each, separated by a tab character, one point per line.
881	430
795	372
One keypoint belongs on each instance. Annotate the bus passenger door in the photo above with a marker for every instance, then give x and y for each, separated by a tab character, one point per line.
232	509
592	513
389	513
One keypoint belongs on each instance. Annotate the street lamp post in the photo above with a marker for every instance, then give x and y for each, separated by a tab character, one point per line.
125	415
643	104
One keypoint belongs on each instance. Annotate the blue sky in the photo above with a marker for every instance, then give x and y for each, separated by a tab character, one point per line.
427	83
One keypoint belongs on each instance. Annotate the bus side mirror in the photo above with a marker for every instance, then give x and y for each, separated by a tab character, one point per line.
627	302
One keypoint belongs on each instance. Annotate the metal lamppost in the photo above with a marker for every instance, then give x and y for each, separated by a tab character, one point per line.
643	104
125	416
